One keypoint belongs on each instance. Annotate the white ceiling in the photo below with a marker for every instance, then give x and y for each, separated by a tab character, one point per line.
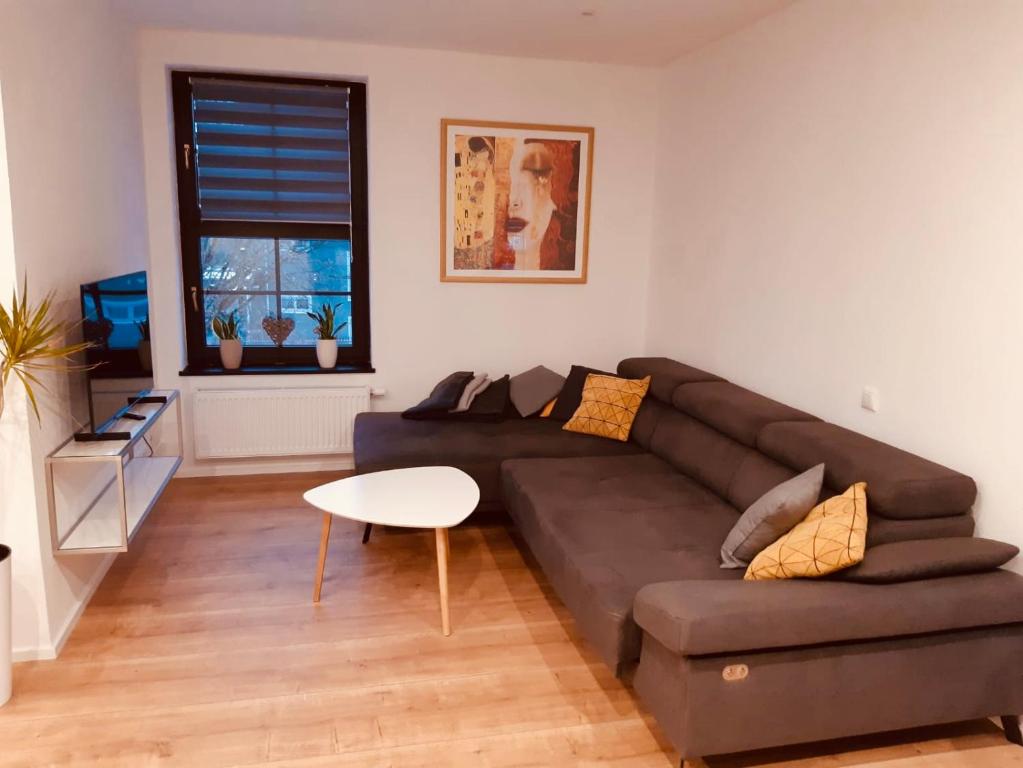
647	32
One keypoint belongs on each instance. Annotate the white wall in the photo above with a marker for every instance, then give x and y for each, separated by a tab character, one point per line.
839	199
73	138
423	329
17	502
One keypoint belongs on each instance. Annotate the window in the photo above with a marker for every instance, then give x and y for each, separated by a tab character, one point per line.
272	202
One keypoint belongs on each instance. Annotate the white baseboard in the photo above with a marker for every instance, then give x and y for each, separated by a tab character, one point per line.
52	650
42	653
269	466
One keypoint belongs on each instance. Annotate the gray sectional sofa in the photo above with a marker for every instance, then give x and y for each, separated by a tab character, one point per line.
629	535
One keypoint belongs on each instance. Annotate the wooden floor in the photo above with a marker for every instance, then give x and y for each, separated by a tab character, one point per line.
203	648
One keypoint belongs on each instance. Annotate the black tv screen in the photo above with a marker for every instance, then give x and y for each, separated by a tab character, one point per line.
115	320
115	314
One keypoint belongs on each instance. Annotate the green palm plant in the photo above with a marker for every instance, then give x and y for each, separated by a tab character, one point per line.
325	327
29	344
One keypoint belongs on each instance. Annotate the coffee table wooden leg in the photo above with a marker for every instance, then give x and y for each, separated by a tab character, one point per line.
324	541
442	577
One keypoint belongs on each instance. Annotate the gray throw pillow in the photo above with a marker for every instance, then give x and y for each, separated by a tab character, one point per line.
472	389
533	389
928	559
772	516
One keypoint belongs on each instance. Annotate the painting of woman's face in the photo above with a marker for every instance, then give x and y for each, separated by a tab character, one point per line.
514	196
529	200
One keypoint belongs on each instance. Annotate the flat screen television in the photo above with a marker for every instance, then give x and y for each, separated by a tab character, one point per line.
115	320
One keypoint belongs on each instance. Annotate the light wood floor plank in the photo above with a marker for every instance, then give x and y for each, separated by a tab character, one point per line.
341	720
203	648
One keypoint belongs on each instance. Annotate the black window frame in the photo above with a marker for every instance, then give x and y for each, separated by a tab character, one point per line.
204	359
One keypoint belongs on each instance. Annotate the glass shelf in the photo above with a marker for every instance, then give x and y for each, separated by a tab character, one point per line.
101	492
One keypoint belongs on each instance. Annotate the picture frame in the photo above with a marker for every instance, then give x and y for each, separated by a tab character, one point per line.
515	202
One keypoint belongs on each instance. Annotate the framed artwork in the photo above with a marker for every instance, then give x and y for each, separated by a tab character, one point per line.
515	202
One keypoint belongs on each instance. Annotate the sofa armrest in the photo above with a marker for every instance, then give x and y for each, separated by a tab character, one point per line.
696	618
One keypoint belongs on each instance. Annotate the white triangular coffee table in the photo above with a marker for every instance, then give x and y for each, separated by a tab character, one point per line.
417	497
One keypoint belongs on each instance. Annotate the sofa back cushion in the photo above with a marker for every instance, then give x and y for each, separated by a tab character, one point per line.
741	444
735	472
699	451
900	484
755	476
735	411
709	431
649	416
665	374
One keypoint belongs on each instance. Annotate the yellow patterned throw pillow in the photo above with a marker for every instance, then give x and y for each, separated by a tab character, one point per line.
832	537
608	406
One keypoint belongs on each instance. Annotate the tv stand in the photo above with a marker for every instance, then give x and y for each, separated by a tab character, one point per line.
108	433
101	486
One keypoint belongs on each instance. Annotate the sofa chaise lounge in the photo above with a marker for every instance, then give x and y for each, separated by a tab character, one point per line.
629	535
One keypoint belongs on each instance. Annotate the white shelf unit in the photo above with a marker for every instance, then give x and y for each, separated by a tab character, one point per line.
101	492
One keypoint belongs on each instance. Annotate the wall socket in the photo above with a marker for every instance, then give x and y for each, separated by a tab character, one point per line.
871	399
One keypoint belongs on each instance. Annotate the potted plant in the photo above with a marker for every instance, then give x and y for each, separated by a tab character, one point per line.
225	328
326	330
29	345
145	345
5	624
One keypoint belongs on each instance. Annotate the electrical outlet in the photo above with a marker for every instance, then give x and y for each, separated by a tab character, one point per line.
871	400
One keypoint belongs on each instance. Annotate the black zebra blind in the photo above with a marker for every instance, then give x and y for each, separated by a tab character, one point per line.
271	151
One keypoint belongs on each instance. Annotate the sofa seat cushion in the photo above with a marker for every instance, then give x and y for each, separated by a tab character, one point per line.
387	441
604	527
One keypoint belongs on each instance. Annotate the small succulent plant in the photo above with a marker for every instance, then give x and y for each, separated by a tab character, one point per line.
225	326
325	322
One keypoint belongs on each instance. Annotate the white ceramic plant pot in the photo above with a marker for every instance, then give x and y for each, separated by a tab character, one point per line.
231	354
326	352
5	624
146	355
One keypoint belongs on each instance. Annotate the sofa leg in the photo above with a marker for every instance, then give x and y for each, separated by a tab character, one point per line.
365	533
1011	724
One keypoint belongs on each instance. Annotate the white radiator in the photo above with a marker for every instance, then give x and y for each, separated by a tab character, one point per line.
237	423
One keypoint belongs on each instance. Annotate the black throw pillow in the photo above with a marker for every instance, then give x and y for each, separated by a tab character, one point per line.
442	399
492	404
572	392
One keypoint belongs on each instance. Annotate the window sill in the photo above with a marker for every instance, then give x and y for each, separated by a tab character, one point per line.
274	370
